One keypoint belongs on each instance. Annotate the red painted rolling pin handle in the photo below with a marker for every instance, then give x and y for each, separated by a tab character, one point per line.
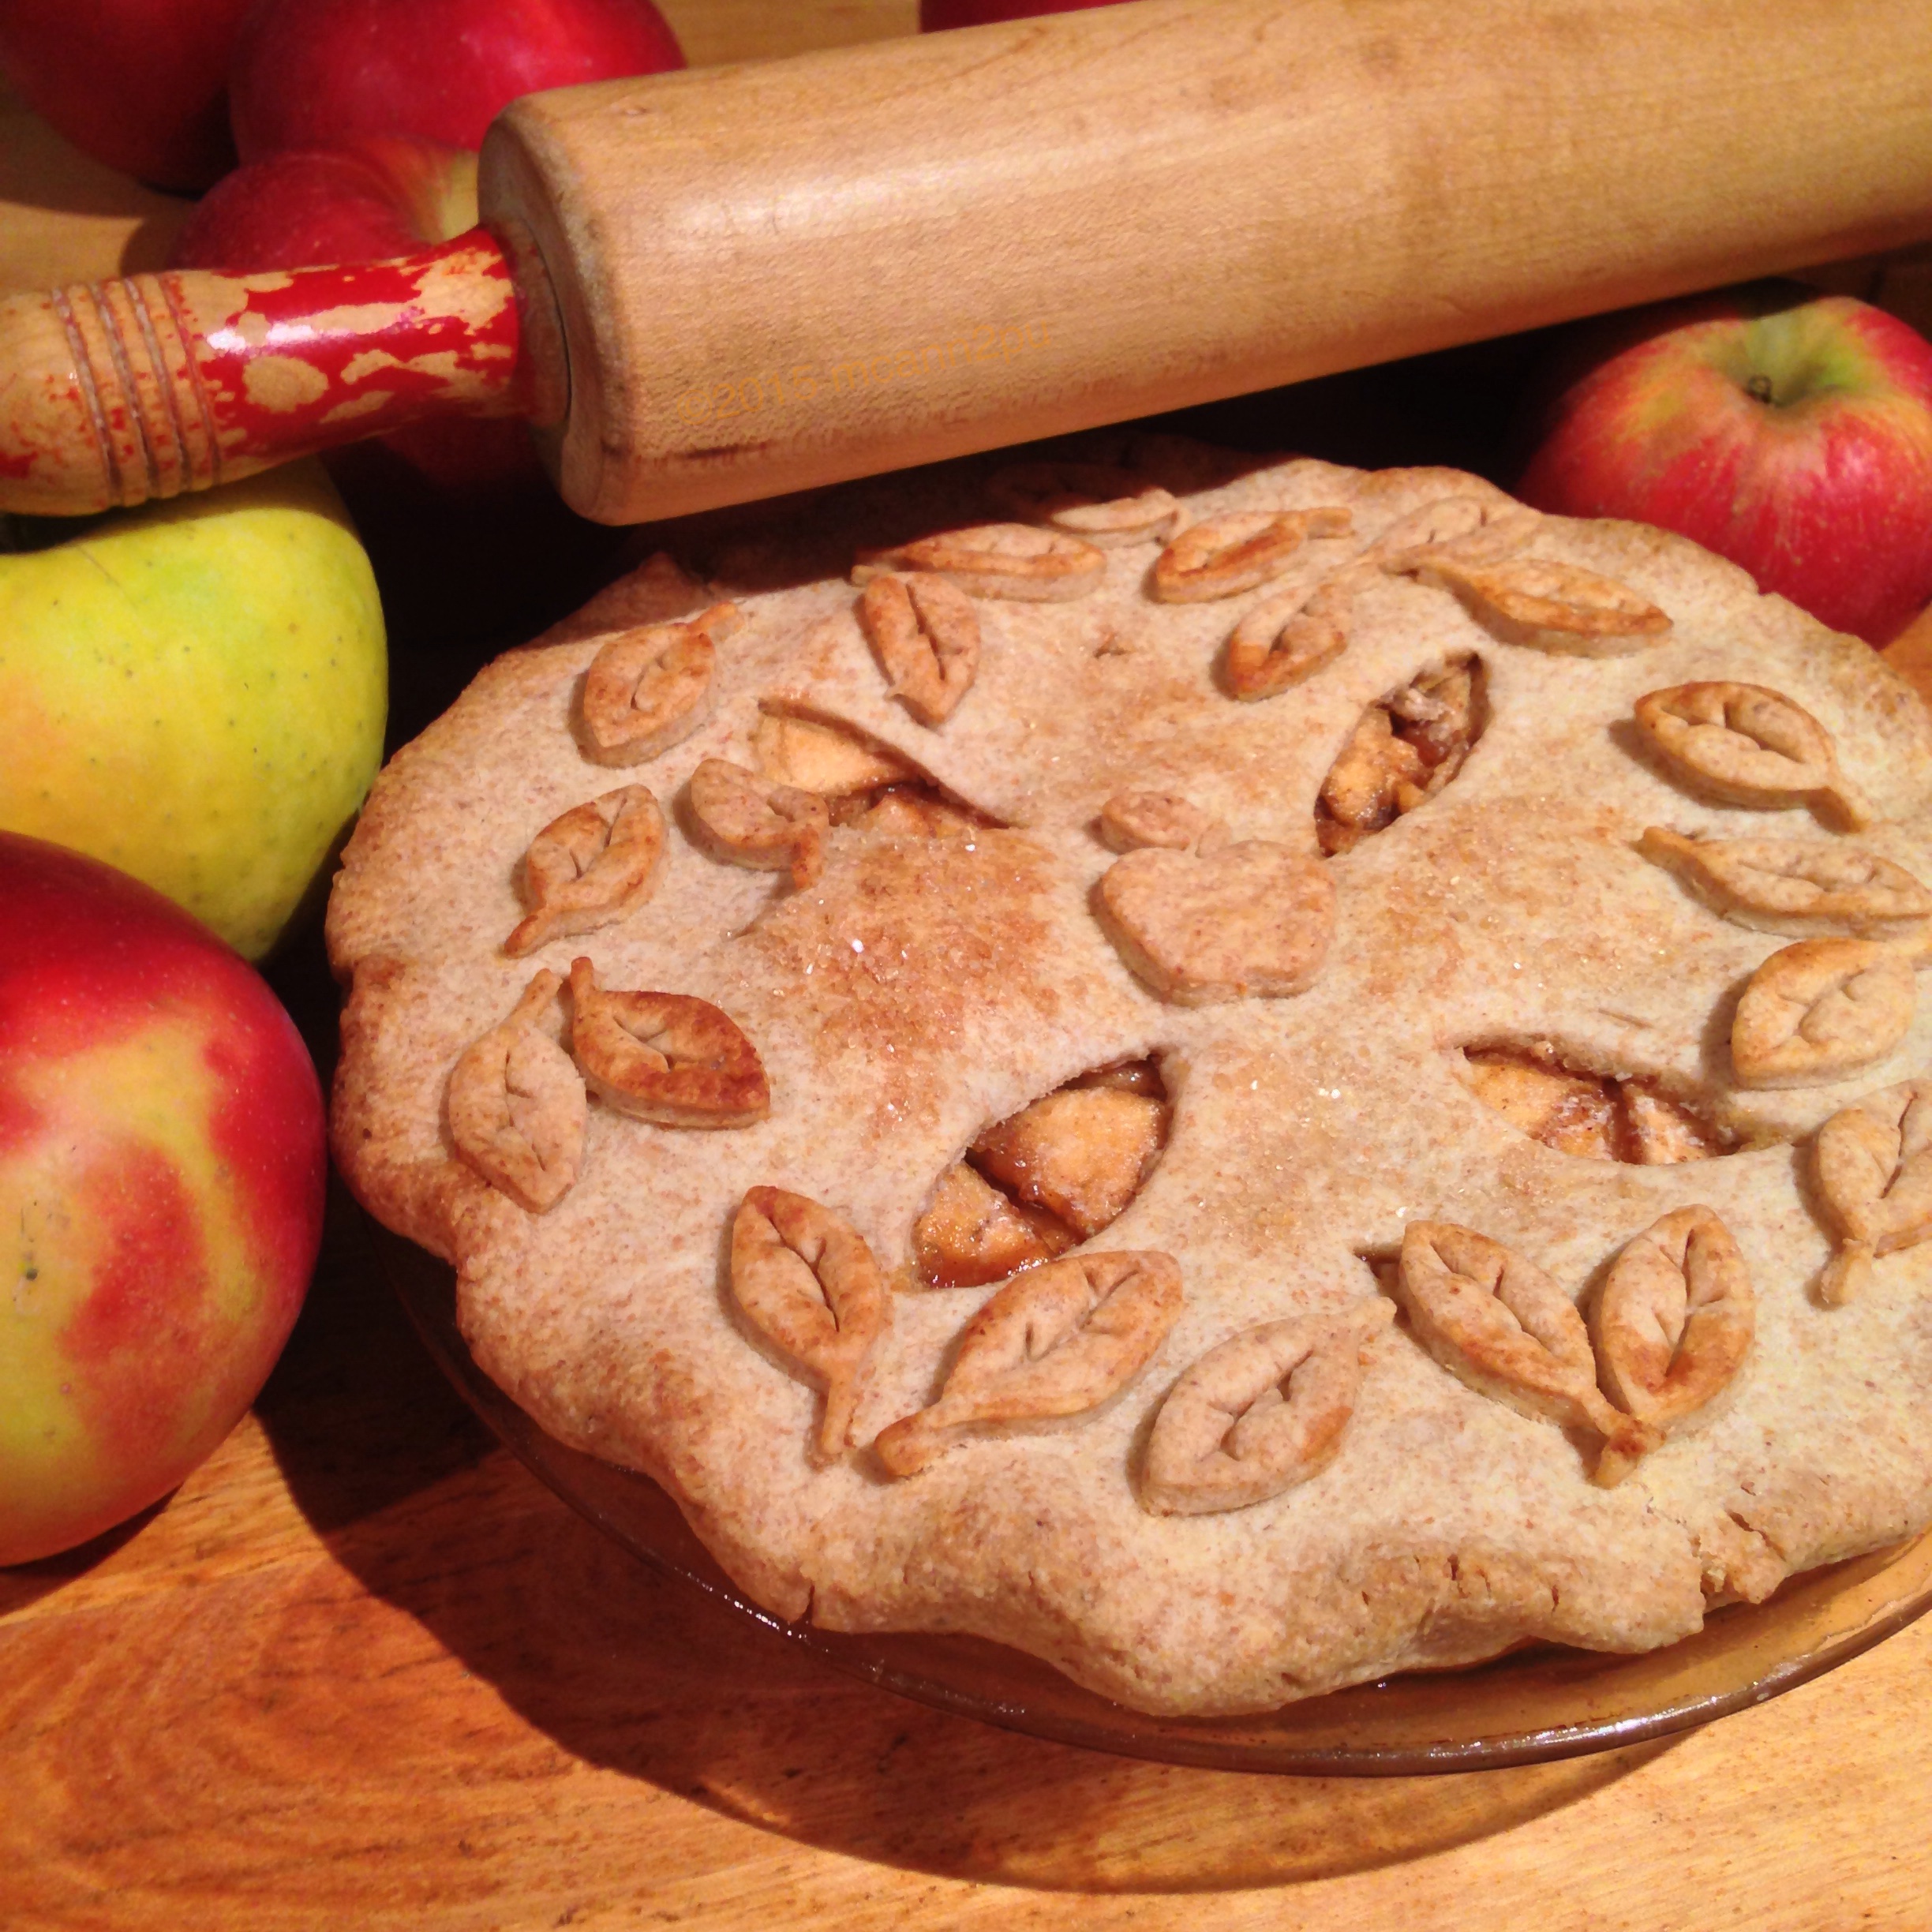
115	393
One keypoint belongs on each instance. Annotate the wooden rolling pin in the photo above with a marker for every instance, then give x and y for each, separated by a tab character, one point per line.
709	287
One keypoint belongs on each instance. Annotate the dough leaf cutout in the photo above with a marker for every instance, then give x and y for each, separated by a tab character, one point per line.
665	1056
1499	1324
745	820
1223	556
1011	560
1874	1165
807	1282
1821	1009
1807	889
1672	1324
925	633
1549	606
1260	1413
1747	744
1053	1343
590	866
1099	503
517	1107
650	687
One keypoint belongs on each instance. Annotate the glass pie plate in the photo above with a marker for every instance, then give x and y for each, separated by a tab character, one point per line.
1532	1705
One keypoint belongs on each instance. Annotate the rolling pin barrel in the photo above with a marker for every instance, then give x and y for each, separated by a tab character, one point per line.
773	276
741	281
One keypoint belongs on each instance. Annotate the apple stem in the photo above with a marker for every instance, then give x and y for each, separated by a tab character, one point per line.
115	393
1758	387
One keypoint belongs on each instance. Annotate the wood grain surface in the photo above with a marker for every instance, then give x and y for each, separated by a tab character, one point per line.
361	1671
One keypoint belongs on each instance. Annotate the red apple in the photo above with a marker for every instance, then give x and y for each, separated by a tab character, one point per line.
310	73
934	15
366	201
140	85
1788	432
162	1164
468	537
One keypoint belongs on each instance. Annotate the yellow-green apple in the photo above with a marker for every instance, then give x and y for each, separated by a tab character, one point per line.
1788	432
195	692
162	1167
313	73
468	537
140	85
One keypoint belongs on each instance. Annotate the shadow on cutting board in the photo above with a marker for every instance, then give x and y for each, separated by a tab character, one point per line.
644	1675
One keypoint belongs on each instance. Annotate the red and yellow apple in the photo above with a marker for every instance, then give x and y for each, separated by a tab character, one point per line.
140	85
1788	432
162	1167
315	74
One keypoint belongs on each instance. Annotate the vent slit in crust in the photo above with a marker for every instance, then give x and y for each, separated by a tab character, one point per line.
1405	748
1040	1182
1597	1116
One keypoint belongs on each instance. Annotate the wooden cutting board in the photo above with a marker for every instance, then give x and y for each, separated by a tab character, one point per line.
361	1671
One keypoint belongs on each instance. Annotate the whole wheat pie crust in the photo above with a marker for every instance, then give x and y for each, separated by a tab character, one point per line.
1242	1078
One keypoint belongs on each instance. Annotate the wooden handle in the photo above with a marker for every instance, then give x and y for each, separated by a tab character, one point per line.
780	275
112	393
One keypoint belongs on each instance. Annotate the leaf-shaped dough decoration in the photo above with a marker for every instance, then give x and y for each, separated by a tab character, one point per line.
1748	745
1284	641
1551	606
1258	1413
648	688
516	1105
1874	1174
665	1056
1246	921
1467	529
925	635
1819	1010
997	560
1808	888
1500	1324
1099	503
1053	1343
1404	750
1221	556
807	1282
1673	1323
590	866
745	820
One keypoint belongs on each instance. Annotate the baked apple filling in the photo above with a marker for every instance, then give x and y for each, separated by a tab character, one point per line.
861	782
1596	1116
1404	749
1045	1179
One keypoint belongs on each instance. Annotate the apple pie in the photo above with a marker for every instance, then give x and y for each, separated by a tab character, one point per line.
1242	1076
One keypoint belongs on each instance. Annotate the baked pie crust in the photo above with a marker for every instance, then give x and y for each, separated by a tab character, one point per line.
1263	1165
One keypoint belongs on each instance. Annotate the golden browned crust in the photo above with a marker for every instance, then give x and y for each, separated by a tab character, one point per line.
943	967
